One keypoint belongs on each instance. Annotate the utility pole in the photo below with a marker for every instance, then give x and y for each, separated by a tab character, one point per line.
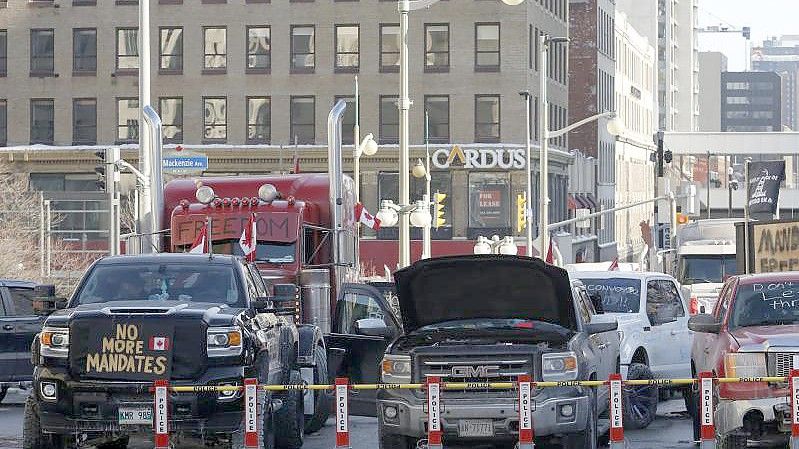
146	162
707	204
112	155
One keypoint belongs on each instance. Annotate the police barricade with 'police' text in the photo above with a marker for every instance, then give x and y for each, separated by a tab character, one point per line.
435	392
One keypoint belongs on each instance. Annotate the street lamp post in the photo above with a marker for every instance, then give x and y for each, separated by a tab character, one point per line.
528	152
614	128
404	105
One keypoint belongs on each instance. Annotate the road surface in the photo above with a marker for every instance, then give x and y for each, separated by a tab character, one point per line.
672	429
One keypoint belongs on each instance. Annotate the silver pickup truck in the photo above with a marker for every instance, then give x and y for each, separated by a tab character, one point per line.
491	319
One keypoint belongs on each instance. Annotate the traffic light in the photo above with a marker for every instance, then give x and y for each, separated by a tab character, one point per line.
439	219
659	154
521	212
682	218
100	169
668	156
746	32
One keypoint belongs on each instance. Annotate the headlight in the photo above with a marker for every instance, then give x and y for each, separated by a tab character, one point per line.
745	364
223	341
54	342
396	369
559	366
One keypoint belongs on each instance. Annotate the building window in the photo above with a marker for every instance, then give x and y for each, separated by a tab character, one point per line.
84	121
303	56
171	110
215	49
486	118
170	59
127	120
42	124
348	121
3	123
303	120
215	119
486	47
489	204
127	50
42	52
259	119
348	48
3	52
436	45
84	51
389	119
259	49
389	48
437	107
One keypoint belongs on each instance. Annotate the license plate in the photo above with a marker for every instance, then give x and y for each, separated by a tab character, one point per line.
135	415
475	428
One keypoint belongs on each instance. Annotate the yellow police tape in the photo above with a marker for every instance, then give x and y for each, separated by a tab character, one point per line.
476	385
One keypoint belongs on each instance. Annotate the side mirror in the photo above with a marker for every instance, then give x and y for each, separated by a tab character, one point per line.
598	328
372	327
45	301
262	305
596	300
704	323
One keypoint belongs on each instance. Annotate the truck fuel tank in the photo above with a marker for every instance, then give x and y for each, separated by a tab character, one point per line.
315	293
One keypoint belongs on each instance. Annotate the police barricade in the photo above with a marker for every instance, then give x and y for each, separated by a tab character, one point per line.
436	401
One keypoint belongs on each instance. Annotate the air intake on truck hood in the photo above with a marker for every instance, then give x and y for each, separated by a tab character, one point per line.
467	287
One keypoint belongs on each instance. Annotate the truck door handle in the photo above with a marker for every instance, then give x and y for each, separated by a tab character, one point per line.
674	332
602	346
8	327
647	328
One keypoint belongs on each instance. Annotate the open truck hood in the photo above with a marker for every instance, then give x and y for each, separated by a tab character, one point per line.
478	286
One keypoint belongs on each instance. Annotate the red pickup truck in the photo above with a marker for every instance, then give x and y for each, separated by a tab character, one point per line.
752	332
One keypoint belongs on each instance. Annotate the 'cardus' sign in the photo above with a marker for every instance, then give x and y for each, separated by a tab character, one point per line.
273	227
480	158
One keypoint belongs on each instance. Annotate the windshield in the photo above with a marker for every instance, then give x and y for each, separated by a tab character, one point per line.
270	252
161	282
766	304
618	295
702	269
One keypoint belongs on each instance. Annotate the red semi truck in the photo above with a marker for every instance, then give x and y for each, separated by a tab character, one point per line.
306	246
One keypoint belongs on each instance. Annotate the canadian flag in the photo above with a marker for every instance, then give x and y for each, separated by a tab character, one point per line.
159	343
614	266
363	216
200	245
248	241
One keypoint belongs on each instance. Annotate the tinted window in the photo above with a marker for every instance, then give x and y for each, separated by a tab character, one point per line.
161	282
618	295
765	304
354	307
22	298
663	303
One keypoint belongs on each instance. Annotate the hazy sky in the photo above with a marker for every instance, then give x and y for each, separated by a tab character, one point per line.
765	17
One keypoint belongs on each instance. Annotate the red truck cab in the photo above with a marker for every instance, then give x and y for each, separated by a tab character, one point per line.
752	333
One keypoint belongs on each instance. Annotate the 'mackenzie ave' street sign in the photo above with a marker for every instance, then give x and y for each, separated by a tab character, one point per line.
185	163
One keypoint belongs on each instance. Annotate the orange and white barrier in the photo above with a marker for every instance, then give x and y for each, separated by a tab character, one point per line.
434	431
526	430
794	382
251	424
707	434
616	412
161	414
342	413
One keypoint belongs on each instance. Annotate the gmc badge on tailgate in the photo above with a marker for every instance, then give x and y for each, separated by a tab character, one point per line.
468	371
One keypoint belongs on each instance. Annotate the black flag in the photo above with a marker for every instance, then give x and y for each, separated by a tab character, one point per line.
764	188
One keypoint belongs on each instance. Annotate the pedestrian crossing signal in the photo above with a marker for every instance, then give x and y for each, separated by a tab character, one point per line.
440	218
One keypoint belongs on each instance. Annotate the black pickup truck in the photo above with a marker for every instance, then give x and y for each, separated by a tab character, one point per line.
20	321
190	319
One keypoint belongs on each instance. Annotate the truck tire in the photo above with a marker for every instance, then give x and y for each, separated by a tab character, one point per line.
322	398
268	426
3	391
392	440
290	418
32	435
731	441
640	401
587	439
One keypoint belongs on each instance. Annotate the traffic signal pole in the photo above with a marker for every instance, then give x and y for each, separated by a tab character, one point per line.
112	155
